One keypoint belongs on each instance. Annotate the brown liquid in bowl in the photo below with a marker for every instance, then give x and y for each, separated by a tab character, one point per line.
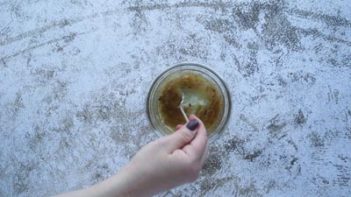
207	105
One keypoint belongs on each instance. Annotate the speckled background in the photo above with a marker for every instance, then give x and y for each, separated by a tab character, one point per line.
74	76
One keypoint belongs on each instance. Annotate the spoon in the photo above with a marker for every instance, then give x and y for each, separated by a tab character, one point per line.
194	101
182	109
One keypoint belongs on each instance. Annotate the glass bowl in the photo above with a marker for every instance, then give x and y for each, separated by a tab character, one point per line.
207	80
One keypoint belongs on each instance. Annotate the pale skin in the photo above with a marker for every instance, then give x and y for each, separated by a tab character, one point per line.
161	165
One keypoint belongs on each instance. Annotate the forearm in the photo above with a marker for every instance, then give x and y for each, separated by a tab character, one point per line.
128	182
124	183
159	166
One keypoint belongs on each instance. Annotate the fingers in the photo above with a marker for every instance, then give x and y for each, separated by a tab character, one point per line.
179	126
198	145
183	136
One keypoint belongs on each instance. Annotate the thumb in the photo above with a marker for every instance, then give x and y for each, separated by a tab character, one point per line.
183	136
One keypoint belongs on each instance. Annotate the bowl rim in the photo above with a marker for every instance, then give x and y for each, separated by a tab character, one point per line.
225	90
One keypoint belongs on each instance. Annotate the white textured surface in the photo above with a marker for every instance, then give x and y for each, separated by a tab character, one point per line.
74	76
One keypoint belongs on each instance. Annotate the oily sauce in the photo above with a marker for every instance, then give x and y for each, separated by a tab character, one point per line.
202	98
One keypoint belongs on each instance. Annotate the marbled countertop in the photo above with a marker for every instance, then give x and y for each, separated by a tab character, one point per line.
74	76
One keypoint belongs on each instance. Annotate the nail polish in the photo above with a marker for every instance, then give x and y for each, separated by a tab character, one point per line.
192	124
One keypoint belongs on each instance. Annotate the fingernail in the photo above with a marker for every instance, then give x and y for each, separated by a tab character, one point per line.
192	124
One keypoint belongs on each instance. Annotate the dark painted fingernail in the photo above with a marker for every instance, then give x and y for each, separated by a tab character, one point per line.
192	124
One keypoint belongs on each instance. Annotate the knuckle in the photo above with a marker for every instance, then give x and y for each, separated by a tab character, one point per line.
161	141
193	175
185	136
193	171
154	143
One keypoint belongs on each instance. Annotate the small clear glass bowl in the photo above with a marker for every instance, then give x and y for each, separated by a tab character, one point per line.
179	69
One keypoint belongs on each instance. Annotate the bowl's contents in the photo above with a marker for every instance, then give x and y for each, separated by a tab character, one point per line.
201	97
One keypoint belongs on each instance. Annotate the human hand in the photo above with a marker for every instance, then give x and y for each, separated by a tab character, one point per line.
169	161
160	165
